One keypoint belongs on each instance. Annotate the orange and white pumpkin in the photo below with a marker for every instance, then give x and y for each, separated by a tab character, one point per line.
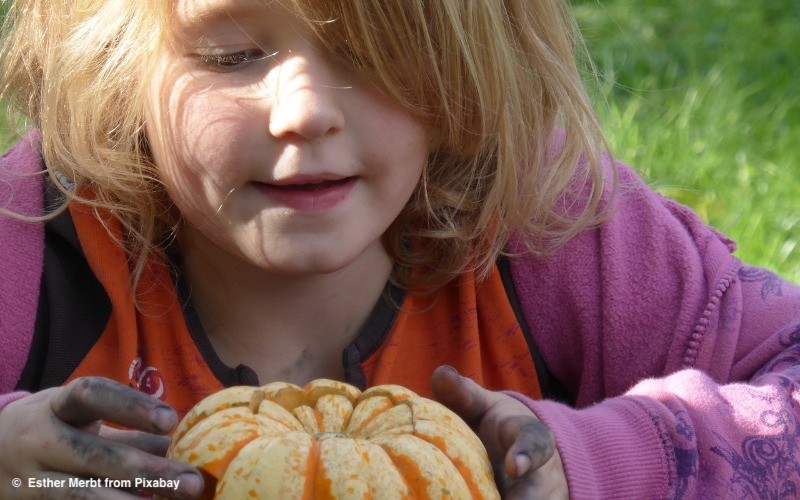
330	440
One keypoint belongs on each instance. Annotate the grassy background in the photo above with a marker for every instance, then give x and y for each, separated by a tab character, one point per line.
704	98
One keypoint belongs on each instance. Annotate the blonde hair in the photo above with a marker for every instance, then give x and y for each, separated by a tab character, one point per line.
78	70
517	147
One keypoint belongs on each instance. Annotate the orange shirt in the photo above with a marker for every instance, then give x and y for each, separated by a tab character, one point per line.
470	326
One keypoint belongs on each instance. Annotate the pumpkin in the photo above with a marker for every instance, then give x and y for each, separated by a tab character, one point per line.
330	440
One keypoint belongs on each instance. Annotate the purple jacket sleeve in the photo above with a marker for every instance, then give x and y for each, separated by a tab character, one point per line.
684	362
21	257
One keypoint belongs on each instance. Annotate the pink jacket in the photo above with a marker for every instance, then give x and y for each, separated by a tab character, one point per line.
684	363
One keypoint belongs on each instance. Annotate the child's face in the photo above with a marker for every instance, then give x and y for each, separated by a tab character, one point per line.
291	162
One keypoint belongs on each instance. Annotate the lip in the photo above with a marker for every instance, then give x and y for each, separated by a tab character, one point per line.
308	193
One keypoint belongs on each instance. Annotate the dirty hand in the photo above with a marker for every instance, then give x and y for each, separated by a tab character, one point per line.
521	448
56	435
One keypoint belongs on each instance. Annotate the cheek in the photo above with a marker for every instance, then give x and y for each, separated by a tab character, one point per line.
192	138
411	150
399	141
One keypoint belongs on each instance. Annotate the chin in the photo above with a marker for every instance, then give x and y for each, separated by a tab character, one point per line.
310	266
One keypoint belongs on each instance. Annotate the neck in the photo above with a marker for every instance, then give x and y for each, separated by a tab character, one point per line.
290	328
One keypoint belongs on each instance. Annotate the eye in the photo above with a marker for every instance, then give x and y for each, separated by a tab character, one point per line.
233	61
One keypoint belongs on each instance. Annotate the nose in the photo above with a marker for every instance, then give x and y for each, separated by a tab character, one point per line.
305	103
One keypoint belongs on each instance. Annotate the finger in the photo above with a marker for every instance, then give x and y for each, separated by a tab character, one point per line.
86	400
548	482
529	442
144	441
461	394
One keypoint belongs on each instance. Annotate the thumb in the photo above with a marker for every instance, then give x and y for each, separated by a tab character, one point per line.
461	394
529	442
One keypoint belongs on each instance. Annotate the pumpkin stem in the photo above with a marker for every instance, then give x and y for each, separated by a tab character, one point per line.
255	401
325	435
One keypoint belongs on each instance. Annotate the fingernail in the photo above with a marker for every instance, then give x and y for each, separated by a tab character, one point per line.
522	463
164	419
191	484
451	370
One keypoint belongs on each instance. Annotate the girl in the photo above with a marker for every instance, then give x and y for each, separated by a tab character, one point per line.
222	192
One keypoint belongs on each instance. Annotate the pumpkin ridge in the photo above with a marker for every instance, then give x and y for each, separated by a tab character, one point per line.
319	419
231	397
392	420
321	484
460	465
218	467
441	445
356	433
335	410
309	485
431	413
412	477
413	493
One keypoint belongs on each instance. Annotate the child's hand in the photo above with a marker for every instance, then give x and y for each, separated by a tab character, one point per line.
522	449
54	435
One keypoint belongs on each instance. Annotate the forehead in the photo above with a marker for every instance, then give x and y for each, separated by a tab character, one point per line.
192	18
188	11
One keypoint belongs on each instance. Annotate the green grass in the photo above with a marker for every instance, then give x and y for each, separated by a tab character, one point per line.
704	99
9	130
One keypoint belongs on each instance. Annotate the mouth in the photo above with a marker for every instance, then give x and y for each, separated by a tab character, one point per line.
308	195
312	187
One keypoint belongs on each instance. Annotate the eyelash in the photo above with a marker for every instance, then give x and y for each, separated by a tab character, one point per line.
224	63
